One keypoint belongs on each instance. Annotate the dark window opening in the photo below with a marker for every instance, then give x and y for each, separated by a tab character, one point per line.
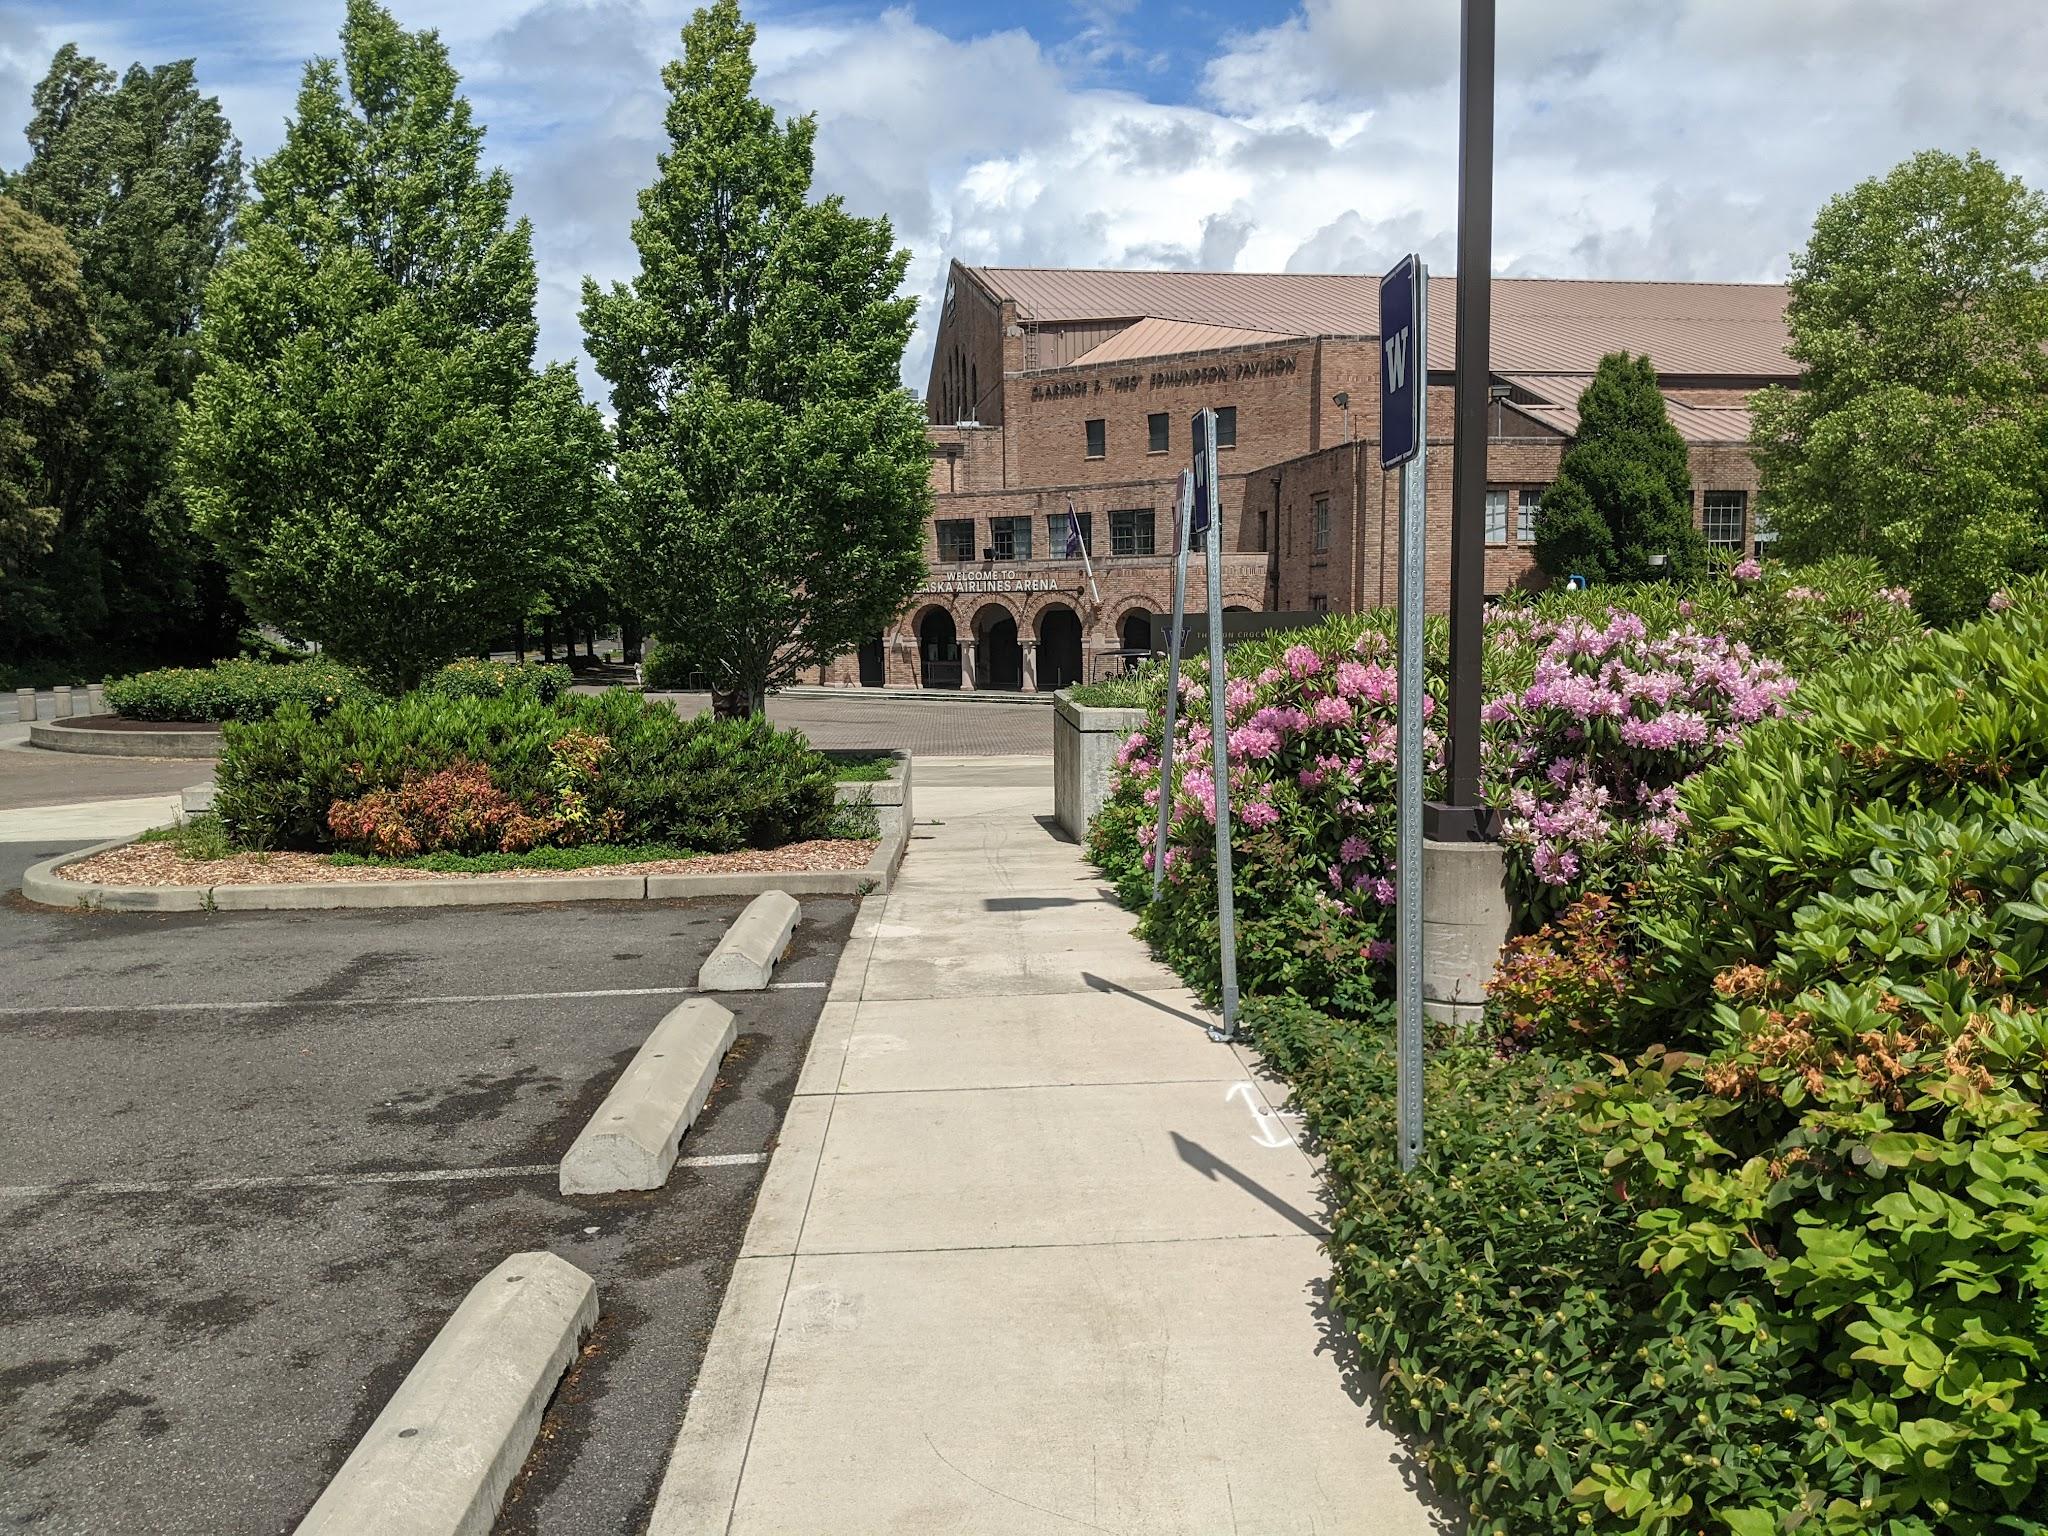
1098	438
1056	532
1010	537
1156	430
956	539
1226	426
1131	532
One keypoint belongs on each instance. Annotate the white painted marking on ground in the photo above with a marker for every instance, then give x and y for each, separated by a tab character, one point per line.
334	1180
1259	1112
388	1002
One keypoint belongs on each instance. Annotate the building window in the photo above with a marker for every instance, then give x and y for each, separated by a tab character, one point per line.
1722	515
1319	603
1130	532
1319	516
1226	426
1010	537
956	539
1098	438
1765	534
1496	517
1156	432
1532	503
1056	535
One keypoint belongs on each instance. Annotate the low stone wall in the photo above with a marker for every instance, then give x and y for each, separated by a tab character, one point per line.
56	736
1084	748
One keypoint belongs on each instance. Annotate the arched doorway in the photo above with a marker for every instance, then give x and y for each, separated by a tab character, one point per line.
998	658
872	674
1135	633
1059	649
938	650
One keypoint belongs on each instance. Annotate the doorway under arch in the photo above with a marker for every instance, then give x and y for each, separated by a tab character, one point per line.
998	658
872	671
1059	649
938	650
1135	633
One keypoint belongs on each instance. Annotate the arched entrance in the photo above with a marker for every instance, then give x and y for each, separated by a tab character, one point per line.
938	650
1059	649
872	673
998	659
1135	633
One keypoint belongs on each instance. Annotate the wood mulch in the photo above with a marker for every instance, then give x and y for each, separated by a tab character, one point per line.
162	864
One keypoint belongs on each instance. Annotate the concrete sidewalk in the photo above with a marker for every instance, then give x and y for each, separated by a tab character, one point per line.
1033	1254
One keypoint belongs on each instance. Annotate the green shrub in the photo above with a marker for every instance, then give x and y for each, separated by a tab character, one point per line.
1567	986
234	690
1496	1292
656	778
1139	689
664	668
471	679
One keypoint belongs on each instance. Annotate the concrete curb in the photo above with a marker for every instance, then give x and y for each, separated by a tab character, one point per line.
55	737
745	957
632	1140
439	1458
42	884
894	790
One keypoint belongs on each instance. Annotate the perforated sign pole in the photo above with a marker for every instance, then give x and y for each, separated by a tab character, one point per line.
1208	521
1404	405
1175	637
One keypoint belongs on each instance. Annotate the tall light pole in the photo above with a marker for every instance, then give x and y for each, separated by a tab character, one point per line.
1461	816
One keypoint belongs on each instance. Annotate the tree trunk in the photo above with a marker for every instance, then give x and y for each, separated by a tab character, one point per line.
547	638
519	641
629	638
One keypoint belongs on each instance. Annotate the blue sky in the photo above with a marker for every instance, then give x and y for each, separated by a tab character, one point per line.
1682	139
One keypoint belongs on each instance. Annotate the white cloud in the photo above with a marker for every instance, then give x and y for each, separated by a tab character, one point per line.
1692	138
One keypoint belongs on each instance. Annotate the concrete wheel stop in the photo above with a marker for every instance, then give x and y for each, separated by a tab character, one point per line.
440	1456
745	958
634	1138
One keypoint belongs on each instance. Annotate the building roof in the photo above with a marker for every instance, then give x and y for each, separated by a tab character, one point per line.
1540	325
1153	337
1723	418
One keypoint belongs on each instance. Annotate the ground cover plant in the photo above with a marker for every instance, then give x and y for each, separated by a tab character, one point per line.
422	774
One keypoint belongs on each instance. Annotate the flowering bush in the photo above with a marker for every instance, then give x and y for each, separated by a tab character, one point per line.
1594	749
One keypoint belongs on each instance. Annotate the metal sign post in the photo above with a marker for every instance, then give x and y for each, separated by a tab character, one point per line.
1208	521
1404	398
1183	521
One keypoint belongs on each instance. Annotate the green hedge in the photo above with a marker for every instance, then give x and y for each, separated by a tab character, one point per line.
495	679
233	690
657	778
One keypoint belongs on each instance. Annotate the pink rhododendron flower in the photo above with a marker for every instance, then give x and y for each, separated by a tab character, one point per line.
2000	601
1331	711
1302	662
1747	570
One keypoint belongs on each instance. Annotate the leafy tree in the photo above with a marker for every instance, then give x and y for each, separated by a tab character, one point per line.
1623	492
1919	431
370	446
49	364
772	471
144	177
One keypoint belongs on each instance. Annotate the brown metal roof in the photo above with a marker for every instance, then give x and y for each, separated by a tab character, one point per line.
1166	338
1540	325
1557	405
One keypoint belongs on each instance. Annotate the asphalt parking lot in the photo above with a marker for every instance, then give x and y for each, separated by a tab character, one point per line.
251	1162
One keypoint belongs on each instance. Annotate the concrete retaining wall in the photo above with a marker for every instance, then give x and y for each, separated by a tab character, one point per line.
1084	748
55	736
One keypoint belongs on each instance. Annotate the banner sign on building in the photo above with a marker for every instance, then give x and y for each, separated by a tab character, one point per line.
1200	525
1403	369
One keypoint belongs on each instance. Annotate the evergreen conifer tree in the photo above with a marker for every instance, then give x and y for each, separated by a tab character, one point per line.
49	365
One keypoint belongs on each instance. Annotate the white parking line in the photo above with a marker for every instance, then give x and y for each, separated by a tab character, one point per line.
335	1180
388	1002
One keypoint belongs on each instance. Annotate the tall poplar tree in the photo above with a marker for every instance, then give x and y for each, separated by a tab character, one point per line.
369	445
143	176
49	365
773	472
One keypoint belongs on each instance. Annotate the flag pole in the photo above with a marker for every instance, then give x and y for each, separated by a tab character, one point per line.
1088	565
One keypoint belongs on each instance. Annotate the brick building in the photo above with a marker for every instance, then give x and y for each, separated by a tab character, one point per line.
1051	387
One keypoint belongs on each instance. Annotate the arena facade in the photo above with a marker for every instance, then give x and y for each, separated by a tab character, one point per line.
1055	387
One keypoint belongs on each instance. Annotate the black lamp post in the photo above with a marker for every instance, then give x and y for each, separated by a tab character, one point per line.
1462	816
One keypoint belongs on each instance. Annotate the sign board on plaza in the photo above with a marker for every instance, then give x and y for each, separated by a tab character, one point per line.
968	583
1403	369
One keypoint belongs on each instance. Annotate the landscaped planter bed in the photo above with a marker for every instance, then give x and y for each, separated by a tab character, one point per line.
162	864
113	736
